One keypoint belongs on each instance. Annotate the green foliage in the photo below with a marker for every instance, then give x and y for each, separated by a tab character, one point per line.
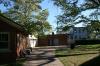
72	9
41	21
66	28
94	28
29	14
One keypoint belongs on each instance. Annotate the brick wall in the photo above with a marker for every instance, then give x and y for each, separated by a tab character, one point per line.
52	40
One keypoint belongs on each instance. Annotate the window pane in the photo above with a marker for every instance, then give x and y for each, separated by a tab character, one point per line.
4	40
3	45
4	37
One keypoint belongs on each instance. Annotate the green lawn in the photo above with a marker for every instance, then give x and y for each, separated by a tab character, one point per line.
79	55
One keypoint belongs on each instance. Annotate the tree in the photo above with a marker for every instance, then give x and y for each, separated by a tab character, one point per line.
41	20
5	2
70	12
24	12
93	28
72	9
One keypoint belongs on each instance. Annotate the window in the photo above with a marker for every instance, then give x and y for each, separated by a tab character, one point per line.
75	30
4	40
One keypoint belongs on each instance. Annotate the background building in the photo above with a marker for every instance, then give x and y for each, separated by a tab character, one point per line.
32	41
78	33
53	40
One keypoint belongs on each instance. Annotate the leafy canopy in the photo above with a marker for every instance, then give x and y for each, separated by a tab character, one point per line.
29	14
72	11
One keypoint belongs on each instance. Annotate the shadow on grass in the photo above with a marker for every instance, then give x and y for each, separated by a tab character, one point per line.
74	54
93	62
49	61
19	62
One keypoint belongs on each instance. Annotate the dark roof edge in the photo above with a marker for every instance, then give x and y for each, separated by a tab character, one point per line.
12	23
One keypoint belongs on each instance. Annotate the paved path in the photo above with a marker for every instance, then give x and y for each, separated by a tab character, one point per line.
42	57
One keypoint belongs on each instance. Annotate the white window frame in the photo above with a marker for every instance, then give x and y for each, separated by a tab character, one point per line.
6	49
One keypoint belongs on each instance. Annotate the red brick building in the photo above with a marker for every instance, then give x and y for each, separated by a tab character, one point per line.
13	40
52	40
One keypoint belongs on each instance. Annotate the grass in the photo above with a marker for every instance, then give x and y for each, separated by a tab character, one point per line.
79	55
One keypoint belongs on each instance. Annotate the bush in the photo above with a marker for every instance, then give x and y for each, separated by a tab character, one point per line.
87	42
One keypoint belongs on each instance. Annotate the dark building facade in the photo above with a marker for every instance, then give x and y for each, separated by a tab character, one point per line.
13	40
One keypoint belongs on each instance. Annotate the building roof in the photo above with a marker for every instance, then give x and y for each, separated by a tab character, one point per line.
12	23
